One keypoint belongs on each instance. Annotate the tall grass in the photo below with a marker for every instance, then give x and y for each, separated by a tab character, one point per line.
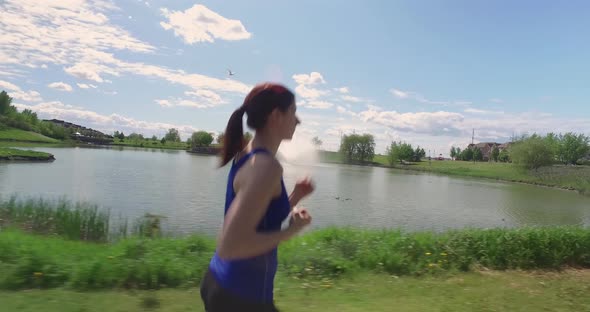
74	221
79	221
34	261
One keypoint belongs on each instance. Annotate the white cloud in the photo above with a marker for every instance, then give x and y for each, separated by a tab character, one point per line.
90	71
206	95
312	79
350	98
481	111
342	90
374	107
86	86
421	99
343	110
318	104
78	36
39	32
199	99
107	123
164	103
309	93
61	86
496	100
200	24
17	93
8	86
28	96
433	123
400	94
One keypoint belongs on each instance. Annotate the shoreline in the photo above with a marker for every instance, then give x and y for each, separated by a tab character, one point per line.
19	155
538	184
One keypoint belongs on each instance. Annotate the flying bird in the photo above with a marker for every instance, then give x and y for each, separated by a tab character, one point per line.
231	73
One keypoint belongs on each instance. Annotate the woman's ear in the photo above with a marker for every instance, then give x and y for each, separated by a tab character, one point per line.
274	115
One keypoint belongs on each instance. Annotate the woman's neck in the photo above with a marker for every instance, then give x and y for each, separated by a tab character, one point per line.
263	140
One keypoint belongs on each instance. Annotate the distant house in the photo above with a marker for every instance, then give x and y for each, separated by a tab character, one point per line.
485	148
504	146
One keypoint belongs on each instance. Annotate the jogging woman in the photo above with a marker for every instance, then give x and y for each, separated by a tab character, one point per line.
241	273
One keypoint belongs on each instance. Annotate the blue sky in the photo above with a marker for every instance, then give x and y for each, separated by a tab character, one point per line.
427	72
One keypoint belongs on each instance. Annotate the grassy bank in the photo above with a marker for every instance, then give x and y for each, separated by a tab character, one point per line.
12	154
151	144
482	291
13	134
144	258
566	177
29	261
59	249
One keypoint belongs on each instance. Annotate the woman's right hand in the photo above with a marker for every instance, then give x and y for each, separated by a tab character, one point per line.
300	218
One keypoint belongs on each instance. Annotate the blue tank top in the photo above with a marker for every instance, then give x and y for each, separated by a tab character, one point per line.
252	278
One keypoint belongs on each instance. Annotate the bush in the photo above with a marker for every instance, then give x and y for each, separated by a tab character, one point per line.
532	153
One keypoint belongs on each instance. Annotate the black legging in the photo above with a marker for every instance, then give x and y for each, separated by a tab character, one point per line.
217	299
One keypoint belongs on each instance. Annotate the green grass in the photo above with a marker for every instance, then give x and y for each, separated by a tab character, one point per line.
482	291
35	144
18	154
152	144
28	260
73	221
566	177
79	221
12	134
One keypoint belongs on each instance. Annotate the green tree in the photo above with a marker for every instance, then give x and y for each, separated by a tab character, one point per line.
172	135
419	153
5	103
154	138
553	141
317	142
201	138
357	148
504	156
247	136
532	152
135	137
572	147
495	153
399	152
453	152
477	154
406	152
163	140
121	136
467	154
30	117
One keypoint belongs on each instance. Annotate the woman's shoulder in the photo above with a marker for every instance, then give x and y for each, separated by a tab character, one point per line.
265	163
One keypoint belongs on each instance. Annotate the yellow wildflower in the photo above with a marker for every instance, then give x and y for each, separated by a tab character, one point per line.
110	257
431	265
38	274
428	253
444	254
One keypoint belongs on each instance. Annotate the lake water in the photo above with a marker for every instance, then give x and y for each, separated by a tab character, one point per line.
189	190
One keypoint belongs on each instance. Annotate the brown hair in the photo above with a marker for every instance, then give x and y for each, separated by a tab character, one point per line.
258	105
